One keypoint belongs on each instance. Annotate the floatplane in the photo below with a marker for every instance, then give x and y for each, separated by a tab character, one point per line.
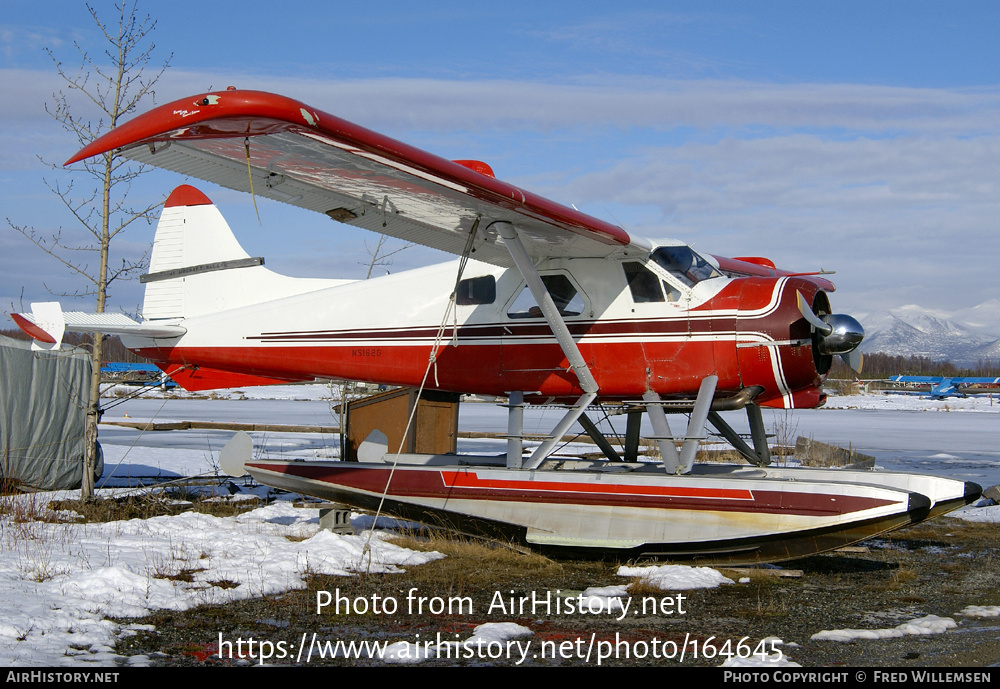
545	305
940	387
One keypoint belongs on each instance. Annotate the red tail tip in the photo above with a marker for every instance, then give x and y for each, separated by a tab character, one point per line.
186	195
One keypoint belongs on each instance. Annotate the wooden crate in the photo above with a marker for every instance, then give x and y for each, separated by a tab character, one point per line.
434	430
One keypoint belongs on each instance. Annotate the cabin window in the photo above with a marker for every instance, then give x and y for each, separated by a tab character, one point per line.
685	264
673	294
472	291
642	283
567	299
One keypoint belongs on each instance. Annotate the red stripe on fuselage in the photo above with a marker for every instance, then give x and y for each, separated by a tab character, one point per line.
674	368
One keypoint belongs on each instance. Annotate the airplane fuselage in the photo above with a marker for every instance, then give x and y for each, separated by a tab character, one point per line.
651	332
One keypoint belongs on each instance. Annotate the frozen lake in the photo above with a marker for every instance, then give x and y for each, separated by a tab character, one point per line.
958	438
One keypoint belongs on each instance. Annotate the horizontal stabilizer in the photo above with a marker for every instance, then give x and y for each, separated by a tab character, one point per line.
47	322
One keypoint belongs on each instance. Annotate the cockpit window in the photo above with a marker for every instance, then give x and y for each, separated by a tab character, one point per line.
566	297
685	264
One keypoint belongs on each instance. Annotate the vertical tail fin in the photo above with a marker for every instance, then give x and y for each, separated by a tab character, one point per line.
192	270
192	238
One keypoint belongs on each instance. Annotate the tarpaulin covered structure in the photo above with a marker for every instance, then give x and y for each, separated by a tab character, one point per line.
43	402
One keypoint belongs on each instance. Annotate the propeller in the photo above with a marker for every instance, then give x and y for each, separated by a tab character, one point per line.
836	333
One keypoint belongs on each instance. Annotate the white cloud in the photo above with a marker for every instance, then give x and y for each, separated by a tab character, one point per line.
621	101
885	184
901	219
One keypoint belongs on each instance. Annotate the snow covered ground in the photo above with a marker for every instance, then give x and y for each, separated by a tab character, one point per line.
59	583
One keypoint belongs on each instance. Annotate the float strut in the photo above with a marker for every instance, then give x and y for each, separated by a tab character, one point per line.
632	426
733	438
549	444
598	437
759	434
661	429
515	428
696	425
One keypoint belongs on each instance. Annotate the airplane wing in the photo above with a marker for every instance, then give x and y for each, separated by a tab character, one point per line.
311	159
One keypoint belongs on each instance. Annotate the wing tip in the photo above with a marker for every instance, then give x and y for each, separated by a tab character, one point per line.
477	166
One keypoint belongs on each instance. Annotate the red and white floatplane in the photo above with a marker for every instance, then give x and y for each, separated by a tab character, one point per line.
545	305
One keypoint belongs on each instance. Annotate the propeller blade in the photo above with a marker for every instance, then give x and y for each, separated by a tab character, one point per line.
809	315
854	359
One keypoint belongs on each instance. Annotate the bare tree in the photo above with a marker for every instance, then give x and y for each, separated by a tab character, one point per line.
382	254
111	86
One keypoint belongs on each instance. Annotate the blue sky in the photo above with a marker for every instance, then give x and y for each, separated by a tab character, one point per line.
861	137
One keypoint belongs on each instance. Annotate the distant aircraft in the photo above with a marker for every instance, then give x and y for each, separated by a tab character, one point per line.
939	387
546	304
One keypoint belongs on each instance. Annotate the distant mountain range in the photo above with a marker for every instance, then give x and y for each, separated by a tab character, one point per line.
963	337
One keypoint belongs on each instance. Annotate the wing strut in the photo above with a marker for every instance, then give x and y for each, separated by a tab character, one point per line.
558	326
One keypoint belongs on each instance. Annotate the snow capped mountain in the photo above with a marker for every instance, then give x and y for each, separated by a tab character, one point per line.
985	316
962	337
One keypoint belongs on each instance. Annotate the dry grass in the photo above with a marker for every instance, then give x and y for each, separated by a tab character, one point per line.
767	604
719	457
713	456
469	558
640	587
148	505
224	584
9	486
186	575
24	509
115	509
902	576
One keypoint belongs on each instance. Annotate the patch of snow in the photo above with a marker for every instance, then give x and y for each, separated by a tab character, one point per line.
497	632
601	599
676	577
981	611
931	624
990	513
